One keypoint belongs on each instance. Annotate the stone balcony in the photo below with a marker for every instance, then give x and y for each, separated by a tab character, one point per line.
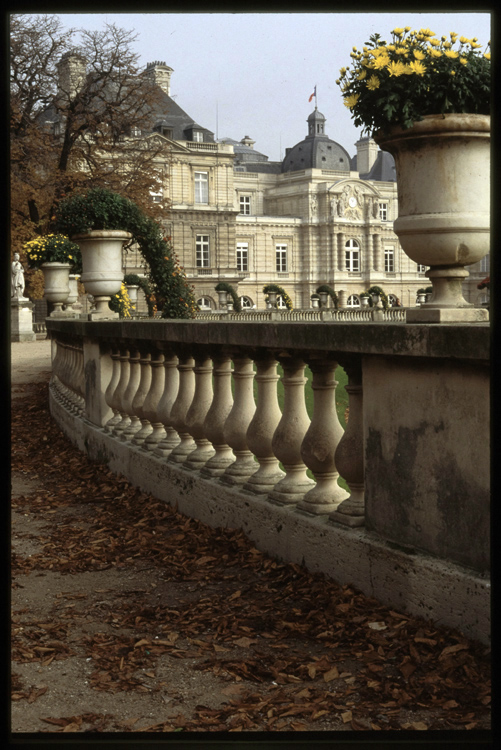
170	405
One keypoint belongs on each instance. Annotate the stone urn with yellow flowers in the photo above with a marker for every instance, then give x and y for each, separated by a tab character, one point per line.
56	255
427	102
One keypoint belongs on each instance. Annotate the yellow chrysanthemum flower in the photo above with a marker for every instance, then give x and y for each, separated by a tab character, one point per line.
381	62
474	45
396	68
451	53
417	67
418	54
487	55
463	40
373	83
401	51
362	75
351	100
463	61
426	32
398	32
434	52
434	42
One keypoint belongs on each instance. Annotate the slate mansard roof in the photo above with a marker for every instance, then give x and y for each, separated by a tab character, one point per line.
317	150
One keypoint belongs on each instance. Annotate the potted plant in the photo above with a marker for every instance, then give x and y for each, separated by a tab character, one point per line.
315	301
364	299
56	255
421	296
96	221
427	102
375	294
224	289
324	290
273	291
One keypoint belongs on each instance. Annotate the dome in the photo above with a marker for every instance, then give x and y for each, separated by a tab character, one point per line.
317	150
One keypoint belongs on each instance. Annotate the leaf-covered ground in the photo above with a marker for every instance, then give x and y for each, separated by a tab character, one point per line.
216	635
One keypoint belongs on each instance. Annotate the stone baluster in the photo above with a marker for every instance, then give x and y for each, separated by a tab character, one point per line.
350	452
57	364
152	400
239	418
74	379
195	418
62	368
289	435
171	389
217	415
320	442
140	398
120	392
80	381
110	392
263	425
133	423
180	408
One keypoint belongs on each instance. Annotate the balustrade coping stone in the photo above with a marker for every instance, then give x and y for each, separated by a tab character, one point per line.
456	341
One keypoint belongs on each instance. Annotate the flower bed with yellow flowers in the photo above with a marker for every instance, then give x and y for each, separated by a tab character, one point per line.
415	75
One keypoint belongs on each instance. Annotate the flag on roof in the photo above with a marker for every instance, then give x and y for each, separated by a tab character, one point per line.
314	94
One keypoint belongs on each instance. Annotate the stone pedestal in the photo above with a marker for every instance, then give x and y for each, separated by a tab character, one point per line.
21	320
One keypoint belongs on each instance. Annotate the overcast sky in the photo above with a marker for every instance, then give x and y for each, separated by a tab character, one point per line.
252	73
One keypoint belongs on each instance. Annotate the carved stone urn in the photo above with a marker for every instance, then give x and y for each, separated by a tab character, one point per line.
443	182
102	266
57	284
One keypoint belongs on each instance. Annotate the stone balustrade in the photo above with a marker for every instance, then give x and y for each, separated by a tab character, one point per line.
358	315
172	405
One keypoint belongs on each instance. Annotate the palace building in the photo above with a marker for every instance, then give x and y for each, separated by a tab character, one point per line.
320	216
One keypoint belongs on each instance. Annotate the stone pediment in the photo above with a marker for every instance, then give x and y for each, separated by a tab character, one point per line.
161	140
355	200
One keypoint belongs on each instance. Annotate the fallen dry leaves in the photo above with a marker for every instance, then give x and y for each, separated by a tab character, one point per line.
292	649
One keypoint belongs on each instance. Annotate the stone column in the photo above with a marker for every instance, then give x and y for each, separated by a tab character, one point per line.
171	389
378	261
152	400
287	439
180	408
341	241
195	419
262	427
217	415
235	428
321	440
350	453
110	392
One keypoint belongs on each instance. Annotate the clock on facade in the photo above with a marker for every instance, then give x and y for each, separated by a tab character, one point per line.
352	201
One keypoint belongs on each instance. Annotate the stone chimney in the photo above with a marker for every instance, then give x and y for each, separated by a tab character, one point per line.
72	70
160	74
247	141
367	151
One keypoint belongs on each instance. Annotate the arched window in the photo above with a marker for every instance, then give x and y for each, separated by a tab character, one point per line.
352	256
353	301
204	303
392	299
246	303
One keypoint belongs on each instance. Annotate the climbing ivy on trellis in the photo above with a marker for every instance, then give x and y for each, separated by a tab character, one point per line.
224	286
100	208
267	288
330	291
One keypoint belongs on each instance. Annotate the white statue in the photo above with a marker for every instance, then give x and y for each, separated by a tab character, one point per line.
17	288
